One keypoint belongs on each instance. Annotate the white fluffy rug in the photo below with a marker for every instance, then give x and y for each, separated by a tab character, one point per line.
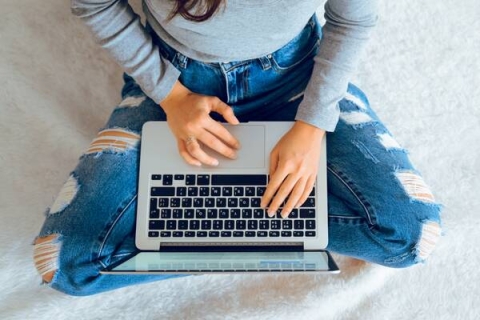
422	75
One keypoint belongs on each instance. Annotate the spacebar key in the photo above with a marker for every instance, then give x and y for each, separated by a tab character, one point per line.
239	180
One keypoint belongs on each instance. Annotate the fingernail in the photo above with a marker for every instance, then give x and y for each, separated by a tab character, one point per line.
215	163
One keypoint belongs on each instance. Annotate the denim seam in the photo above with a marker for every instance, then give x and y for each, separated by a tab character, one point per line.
278	68
102	245
370	220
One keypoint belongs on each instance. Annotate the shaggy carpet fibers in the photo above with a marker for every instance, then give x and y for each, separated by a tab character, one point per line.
422	75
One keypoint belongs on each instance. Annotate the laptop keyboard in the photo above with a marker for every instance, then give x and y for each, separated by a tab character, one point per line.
221	206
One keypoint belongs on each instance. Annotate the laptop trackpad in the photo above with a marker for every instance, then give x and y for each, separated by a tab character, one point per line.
252	148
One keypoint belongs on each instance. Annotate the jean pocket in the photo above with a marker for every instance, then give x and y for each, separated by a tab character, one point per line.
303	46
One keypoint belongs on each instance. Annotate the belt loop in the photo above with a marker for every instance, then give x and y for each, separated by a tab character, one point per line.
265	61
181	60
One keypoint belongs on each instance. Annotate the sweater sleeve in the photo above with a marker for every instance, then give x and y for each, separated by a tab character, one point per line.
118	29
344	37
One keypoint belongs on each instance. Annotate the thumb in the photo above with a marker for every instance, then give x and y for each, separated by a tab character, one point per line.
226	111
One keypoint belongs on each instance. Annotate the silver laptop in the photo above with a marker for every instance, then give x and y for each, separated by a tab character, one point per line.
198	220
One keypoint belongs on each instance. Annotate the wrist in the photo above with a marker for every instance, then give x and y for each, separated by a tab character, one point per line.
308	128
178	91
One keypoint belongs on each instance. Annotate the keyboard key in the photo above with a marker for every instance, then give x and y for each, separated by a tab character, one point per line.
174	202
252	224
221	202
194	224
223	213
156	225
162	191
190	234
249	233
178	234
238	233
229	224
226	233
232	202
153	234
239	180
250	191
204	191
216	191
286	233
310	203
167	179
165	234
212	213
153	203
203	180
189	213
187	202
235	213
177	213
179	177
298	233
260	191
156	177
274	234
310	224
154	214
163	202
201	234
244	202
264	224
262	233
198	202
217	224
275	224
238	191
214	234
307	213
183	225
166	213
206	224
247	213
200	213
192	191
227	191
171	224
240	225
209	202
255	202
181	191
293	214
258	213
190	180
299	224
310	233
286	224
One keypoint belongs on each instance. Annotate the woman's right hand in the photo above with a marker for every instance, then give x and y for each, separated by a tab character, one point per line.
188	116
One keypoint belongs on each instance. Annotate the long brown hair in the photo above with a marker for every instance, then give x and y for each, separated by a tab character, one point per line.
196	10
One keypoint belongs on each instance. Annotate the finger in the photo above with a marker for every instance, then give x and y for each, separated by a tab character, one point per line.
294	197
273	162
225	110
284	190
307	190
195	150
221	132
186	156
216	144
274	183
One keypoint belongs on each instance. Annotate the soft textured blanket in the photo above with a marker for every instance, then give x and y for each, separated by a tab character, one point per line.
422	75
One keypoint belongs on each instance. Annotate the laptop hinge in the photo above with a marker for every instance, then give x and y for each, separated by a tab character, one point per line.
230	247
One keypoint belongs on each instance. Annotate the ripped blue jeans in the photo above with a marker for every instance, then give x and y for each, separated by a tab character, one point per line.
380	209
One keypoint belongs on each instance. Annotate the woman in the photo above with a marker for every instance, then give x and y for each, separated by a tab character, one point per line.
197	62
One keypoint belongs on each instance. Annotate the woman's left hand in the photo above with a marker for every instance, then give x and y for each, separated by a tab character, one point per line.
293	168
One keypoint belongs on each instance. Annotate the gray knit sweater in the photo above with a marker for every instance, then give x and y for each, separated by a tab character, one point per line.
261	26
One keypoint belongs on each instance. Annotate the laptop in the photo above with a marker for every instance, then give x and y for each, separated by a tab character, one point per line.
208	220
